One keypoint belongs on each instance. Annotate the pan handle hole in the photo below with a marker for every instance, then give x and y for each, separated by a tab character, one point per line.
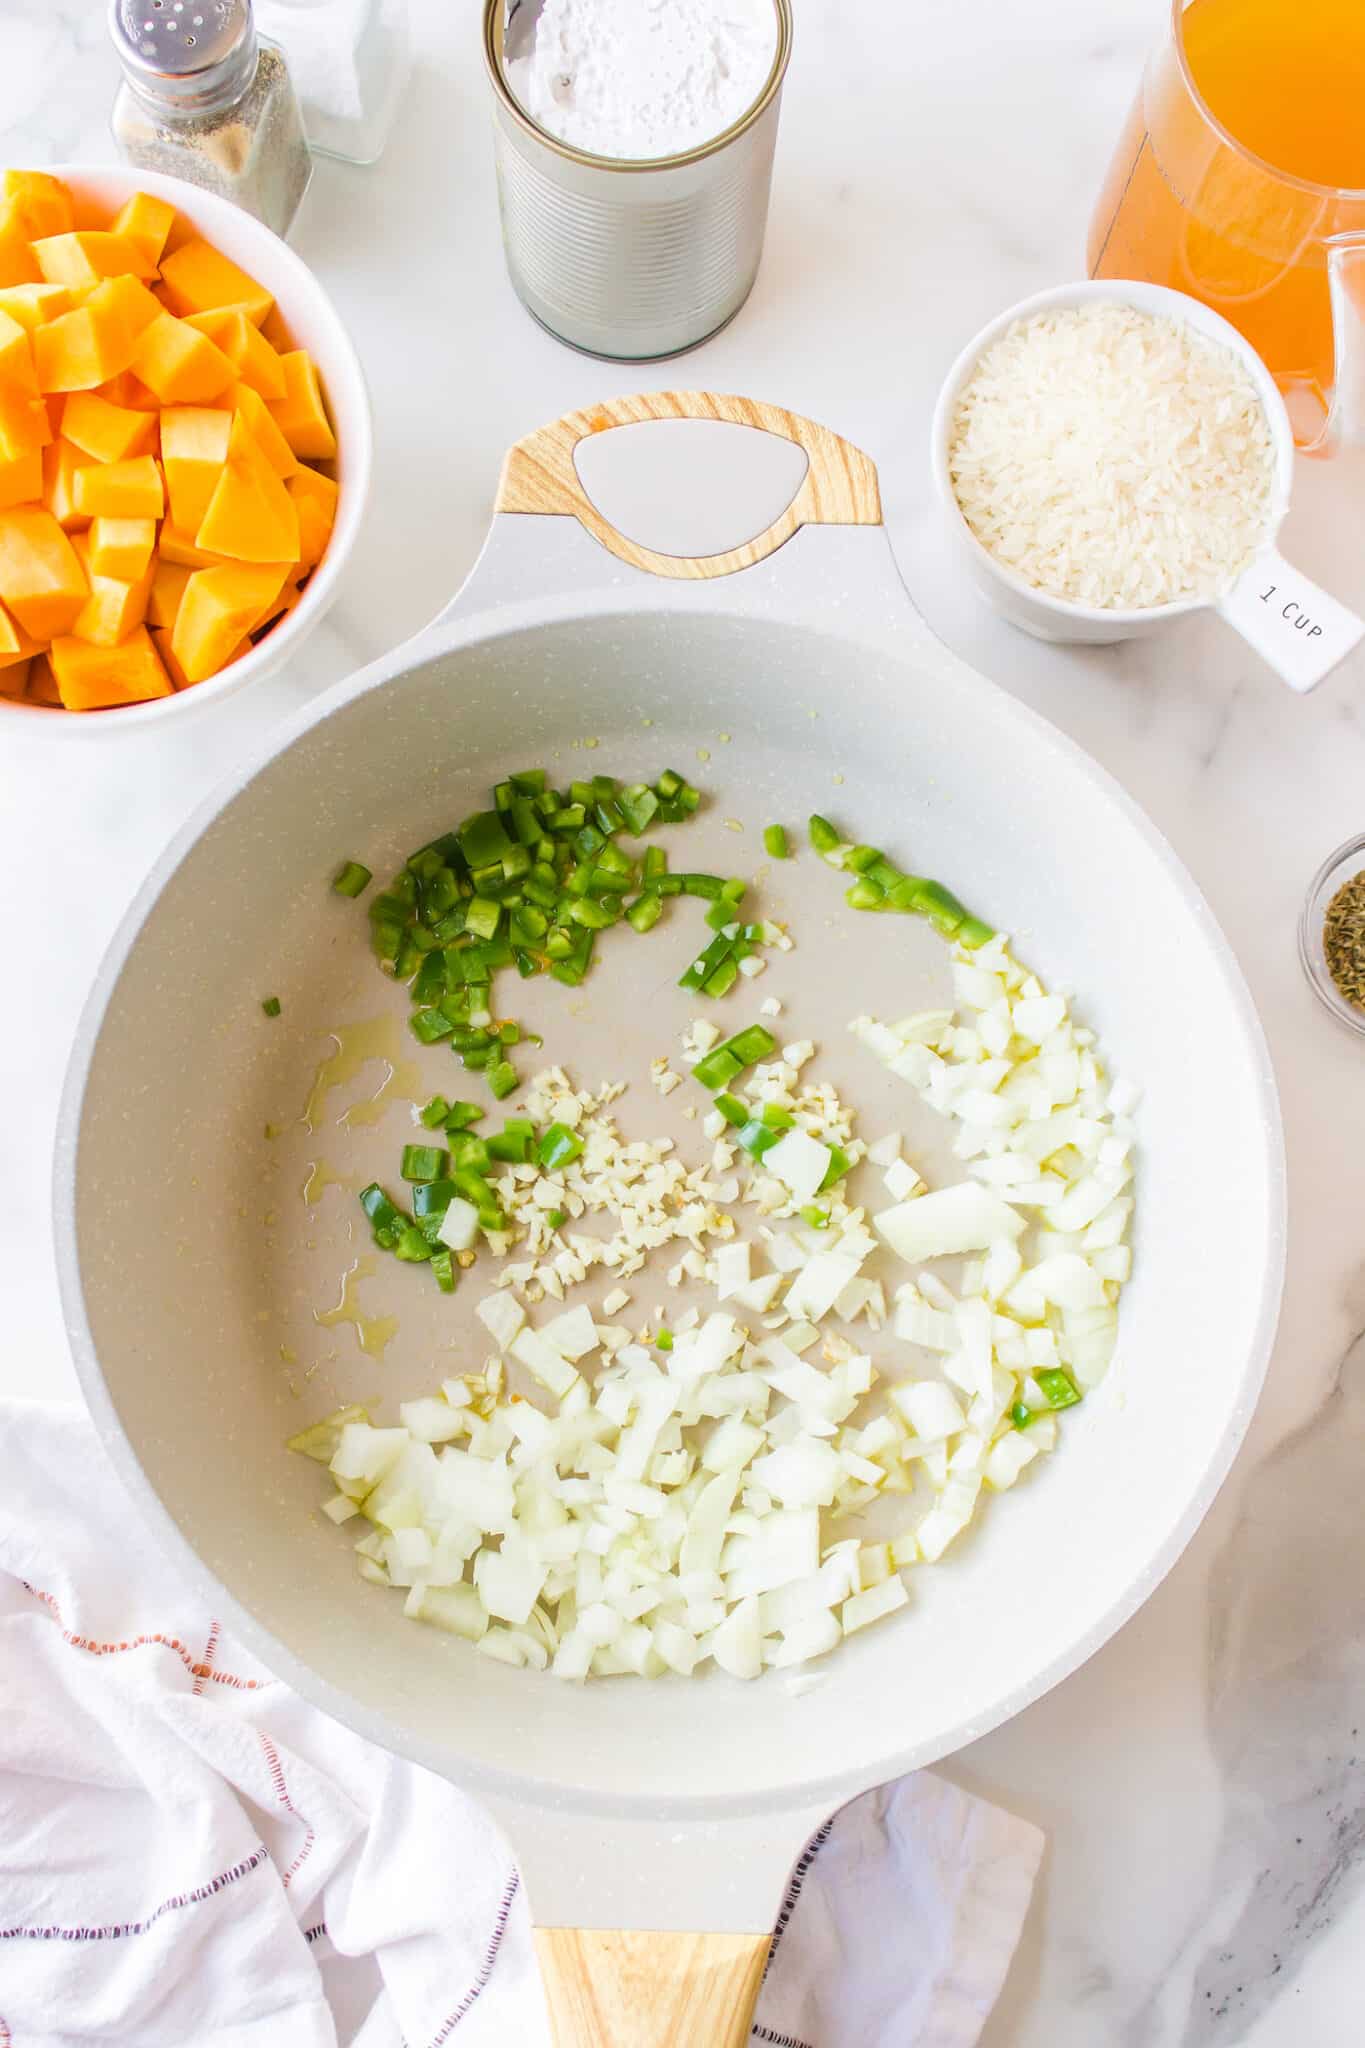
689	487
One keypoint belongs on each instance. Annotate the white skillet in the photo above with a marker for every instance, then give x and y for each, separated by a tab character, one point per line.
661	1818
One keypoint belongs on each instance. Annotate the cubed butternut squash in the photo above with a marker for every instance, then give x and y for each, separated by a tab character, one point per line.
18	264
15	644
130	392
315	500
270	440
16	357
251	516
114	607
166	650
40	203
196	277
121	548
88	255
301	414
96	340
62	463
156	511
42	684
194	446
288	597
121	490
124	302
245	347
24	423
147	220
32	304
168	587
21	480
91	678
104	431
183	550
41	581
219	609
182	366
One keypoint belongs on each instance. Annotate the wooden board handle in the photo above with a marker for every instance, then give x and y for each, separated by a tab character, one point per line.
840	486
629	1989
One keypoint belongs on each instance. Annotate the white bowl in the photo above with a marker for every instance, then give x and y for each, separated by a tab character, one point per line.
317	326
1013	596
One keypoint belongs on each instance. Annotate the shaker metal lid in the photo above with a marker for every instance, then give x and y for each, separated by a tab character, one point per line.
190	53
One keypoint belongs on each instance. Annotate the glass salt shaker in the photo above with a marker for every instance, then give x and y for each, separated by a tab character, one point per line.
350	61
205	98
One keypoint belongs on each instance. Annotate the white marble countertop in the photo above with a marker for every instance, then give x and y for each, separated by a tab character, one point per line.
1199	1780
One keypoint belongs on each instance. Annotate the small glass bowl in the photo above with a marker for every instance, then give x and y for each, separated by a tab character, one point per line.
1339	867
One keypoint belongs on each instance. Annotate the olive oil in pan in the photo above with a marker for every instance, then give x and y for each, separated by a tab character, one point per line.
376	1038
373	1333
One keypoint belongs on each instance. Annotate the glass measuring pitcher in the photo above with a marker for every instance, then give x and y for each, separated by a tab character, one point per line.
1240	179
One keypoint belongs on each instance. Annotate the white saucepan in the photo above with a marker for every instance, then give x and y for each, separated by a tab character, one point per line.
194	1271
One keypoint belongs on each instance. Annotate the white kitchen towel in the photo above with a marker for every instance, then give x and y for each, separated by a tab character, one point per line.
192	1857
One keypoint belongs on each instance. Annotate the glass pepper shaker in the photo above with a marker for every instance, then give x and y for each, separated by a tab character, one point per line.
205	98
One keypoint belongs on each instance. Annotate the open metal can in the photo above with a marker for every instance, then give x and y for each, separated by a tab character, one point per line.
631	258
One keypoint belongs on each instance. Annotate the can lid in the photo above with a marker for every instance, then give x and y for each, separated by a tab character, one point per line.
190	55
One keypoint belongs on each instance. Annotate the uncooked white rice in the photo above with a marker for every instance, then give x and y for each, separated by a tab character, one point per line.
1114	458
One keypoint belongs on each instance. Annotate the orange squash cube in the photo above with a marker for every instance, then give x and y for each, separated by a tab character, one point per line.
96	340
315	500
130	392
41	581
277	609
219	609
86	257
21	480
194	446
301	414
168	588
15	644
18	264
251	516
197	277
40	203
181	548
61	464
245	347
113	607
124	302
146	220
24	423
275	328
14	679
72	354
106	432
162	640
16	357
121	548
91	678
121	490
31	304
179	364
42	684
267	435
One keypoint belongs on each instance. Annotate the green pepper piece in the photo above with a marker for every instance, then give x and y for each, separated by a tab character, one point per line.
352	879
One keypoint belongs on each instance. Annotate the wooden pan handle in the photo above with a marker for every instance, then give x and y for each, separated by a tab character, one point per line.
840	486
637	1990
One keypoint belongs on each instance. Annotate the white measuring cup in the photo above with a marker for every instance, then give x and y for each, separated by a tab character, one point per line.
1294	625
